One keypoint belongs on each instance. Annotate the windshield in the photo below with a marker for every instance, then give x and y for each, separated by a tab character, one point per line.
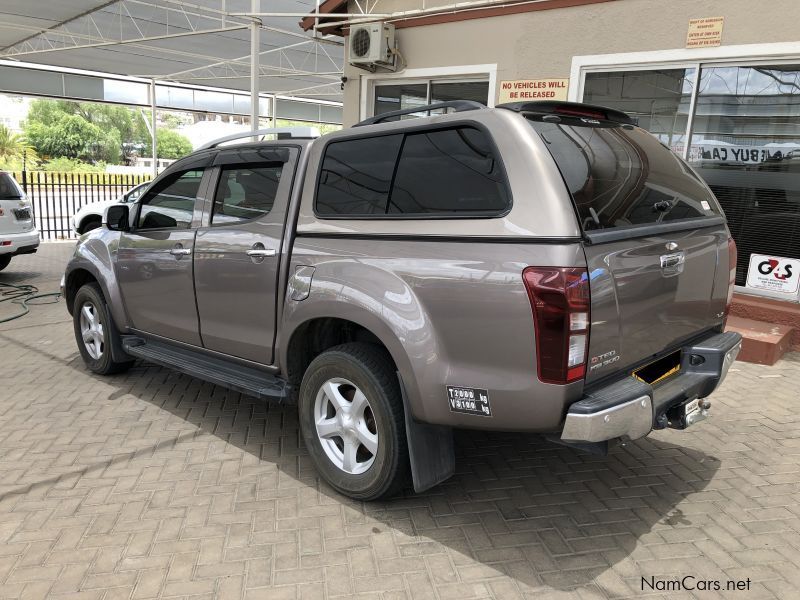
621	176
8	188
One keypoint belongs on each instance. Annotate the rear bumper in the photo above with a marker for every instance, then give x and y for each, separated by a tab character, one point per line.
19	243
630	409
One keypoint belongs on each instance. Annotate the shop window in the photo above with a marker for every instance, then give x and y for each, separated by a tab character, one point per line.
391	97
745	141
659	99
444	91
746	145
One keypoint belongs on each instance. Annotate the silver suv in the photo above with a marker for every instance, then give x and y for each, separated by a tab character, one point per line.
18	233
539	267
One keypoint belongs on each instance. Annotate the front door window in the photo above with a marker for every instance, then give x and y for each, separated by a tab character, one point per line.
170	204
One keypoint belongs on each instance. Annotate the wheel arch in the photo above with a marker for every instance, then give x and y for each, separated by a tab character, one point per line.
430	447
312	336
92	261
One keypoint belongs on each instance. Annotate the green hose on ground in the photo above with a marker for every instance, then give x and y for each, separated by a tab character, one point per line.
22	294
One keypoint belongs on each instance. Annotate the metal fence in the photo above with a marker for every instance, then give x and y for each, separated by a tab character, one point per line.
58	196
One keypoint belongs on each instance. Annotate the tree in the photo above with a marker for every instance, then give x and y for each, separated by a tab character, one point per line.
169	144
82	130
12	145
72	136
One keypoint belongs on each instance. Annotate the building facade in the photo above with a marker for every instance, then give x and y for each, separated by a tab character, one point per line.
717	81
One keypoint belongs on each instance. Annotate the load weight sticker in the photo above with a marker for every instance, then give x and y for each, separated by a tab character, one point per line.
470	401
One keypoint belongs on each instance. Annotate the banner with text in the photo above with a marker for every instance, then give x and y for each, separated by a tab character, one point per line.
522	90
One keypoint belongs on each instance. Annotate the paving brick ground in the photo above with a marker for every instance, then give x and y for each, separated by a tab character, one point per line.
153	484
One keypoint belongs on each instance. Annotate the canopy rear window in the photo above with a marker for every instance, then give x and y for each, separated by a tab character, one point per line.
621	176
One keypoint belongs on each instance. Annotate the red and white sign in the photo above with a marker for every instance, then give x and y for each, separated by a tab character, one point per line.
774	274
705	32
533	89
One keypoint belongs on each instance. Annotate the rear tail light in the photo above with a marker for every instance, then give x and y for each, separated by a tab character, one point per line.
560	301
731	278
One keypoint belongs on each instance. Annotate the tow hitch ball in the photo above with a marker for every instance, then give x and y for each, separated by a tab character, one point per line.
683	415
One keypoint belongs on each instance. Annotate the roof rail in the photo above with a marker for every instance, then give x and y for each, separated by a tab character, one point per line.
281	132
571	109
456	105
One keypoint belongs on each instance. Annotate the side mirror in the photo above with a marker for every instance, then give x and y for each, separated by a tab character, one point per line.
117	217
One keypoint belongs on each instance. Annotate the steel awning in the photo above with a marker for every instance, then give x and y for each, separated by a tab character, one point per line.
198	42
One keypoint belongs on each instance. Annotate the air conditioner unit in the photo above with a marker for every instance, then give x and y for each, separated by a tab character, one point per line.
372	46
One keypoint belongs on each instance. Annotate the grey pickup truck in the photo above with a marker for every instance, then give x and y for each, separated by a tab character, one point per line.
535	267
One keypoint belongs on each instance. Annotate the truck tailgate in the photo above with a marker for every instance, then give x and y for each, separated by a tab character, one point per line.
656	242
650	294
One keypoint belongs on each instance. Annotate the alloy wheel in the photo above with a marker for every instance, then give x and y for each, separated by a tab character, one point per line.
346	426
92	330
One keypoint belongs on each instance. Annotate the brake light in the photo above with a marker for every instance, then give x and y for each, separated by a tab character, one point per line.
560	301
732	255
578	112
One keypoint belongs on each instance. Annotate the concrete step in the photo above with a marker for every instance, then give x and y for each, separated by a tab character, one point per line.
762	343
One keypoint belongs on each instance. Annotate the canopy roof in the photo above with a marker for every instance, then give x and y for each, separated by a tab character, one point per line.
199	42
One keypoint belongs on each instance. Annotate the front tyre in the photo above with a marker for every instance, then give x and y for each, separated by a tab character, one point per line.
91	224
352	422
93	327
4	261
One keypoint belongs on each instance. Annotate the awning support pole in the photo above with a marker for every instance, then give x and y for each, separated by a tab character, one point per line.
255	48
154	147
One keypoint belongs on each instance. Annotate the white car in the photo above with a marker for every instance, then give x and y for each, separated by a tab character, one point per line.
90	216
18	233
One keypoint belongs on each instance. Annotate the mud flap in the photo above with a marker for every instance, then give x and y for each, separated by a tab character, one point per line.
118	353
430	449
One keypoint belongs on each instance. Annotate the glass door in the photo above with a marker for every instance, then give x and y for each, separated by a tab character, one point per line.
746	145
744	123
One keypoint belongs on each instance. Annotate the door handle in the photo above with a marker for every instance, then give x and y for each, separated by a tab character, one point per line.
670	261
180	251
259	251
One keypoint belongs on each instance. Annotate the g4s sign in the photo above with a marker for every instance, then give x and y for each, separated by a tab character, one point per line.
773	273
772	267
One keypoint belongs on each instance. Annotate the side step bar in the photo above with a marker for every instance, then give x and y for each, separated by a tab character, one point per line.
247	380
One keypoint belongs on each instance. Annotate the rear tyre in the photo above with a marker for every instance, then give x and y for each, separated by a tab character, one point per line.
94	327
91	224
4	262
352	421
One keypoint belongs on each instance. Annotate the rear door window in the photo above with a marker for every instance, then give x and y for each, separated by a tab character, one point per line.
245	192
453	172
623	176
